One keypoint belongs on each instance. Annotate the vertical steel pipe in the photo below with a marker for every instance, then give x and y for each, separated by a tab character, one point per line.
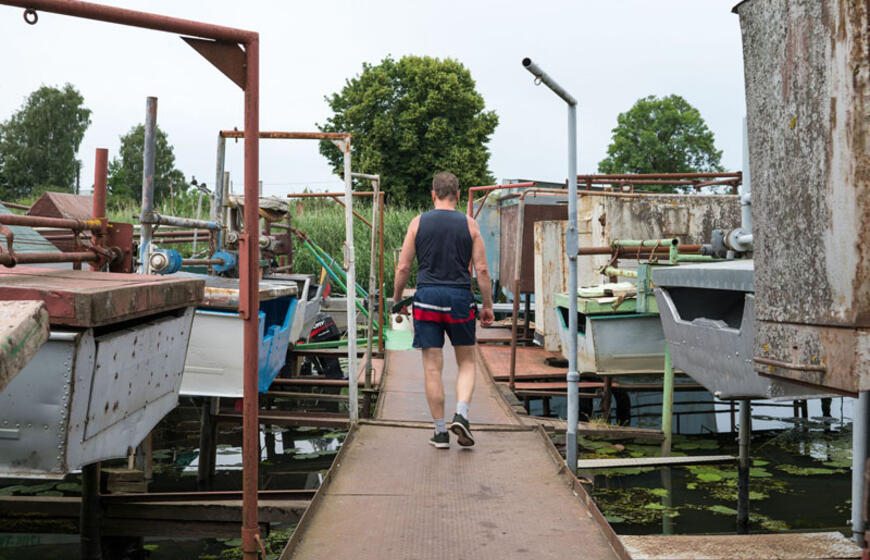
249	295
745	187
667	403
353	403
743	464
382	315
860	434
149	154
217	203
376	218
571	247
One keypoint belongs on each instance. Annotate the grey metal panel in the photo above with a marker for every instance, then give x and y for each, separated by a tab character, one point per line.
44	410
617	344
720	357
129	427
807	72
134	368
214	365
34	407
627	343
736	275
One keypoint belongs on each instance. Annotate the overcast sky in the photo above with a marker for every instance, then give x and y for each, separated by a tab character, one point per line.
606	53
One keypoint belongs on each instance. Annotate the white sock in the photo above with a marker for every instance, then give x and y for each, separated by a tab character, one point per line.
440	426
462	409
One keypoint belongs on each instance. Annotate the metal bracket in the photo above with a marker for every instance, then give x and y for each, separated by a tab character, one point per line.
227	57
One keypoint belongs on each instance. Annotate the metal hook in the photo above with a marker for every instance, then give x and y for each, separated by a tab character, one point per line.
538	80
30	16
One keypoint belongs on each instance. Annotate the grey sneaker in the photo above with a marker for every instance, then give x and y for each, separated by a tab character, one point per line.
440	441
460	427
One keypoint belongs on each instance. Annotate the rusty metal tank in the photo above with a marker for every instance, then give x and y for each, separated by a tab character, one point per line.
807	68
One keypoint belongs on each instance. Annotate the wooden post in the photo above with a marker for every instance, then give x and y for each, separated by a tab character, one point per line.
605	399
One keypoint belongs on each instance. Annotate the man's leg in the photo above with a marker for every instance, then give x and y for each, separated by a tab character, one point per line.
465	377
464	390
433	361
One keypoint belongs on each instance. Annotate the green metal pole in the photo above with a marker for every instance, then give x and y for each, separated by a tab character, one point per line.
645	242
667	403
328	344
335	277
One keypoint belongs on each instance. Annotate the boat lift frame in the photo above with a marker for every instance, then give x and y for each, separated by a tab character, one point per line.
236	53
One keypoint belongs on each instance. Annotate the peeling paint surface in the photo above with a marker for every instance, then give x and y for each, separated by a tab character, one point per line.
807	69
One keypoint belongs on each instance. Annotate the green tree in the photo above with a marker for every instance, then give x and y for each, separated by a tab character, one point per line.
38	144
125	172
410	119
661	135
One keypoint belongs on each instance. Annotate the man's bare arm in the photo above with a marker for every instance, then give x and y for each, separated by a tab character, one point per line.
484	282
406	259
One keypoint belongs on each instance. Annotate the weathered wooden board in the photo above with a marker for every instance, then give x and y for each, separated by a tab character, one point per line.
777	546
81	298
23	330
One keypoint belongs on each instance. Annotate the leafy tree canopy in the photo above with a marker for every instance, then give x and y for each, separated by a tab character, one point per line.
410	119
38	144
125	173
661	135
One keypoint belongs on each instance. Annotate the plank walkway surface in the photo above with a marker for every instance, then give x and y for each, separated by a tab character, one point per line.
390	495
778	546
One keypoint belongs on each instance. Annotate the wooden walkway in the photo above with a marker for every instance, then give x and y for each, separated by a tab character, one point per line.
391	495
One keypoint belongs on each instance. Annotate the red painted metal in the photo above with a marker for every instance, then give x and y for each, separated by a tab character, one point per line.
250	281
250	267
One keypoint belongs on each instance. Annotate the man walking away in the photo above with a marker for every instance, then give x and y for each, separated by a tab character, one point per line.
446	243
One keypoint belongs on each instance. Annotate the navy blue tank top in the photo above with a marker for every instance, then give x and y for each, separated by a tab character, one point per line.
443	245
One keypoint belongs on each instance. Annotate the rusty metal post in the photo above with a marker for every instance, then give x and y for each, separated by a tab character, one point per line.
149	153
571	246
101	163
249	303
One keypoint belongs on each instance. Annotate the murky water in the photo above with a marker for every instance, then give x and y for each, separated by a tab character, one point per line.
300	459
800	480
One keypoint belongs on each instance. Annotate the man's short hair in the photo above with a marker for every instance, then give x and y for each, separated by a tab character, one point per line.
445	184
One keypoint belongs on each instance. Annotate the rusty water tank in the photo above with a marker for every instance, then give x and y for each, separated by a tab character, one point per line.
807	67
537	208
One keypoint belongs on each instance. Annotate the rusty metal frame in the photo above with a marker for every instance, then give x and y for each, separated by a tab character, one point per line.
342	142
378	217
244	65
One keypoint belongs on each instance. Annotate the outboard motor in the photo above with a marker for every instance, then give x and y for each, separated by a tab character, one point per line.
324	329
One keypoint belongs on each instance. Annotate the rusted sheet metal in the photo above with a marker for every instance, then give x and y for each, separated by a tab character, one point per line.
537	209
81	298
807	70
23	330
691	218
794	546
551	265
63	205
